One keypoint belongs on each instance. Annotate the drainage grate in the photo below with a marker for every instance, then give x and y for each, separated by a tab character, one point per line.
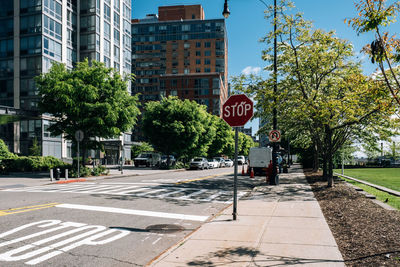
164	228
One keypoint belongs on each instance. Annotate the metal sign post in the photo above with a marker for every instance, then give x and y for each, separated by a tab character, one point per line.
237	110
234	213
78	138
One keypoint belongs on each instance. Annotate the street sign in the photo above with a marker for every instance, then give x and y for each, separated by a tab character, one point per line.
79	135
237	110
274	136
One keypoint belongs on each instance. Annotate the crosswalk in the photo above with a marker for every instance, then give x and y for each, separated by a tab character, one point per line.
148	190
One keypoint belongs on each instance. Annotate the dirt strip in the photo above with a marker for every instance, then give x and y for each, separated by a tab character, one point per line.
367	234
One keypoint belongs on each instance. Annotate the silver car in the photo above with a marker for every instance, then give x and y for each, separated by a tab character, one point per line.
199	163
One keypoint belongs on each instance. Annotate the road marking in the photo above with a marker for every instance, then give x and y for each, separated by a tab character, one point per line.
135	212
203	178
156	241
89	235
26	209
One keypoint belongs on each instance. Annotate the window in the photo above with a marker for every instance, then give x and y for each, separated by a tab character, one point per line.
198	61
185	28
88	6
207	70
116	19
198	44
215	83
107	62
29	24
116	53
116	5
186	71
6	68
52	27
107	48
28	5
207	53
127	27
198	53
207	61
107	30
30	45
88	23
52	48
186	45
28	87
71	56
127	42
88	41
116	36
198	70
107	12
47	62
53	8
207	44
31	66
126	12
116	66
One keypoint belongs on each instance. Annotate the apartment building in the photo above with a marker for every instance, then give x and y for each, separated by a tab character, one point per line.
35	33
180	53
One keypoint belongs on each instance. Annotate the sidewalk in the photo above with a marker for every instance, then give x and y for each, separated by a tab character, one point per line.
276	225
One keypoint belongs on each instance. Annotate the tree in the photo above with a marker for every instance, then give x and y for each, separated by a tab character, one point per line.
323	99
375	16
35	149
245	142
224	141
184	128
140	148
91	98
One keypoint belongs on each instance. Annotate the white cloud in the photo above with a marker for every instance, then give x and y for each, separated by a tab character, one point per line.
251	70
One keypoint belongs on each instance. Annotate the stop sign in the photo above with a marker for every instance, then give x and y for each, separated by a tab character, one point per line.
237	110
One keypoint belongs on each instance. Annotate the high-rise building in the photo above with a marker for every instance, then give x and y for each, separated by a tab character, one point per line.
180	53
35	33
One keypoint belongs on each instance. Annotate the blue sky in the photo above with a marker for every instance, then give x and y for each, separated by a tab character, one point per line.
246	25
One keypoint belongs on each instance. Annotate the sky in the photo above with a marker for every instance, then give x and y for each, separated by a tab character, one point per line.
246	25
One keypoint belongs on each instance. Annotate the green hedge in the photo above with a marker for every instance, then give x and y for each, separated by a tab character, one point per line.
33	163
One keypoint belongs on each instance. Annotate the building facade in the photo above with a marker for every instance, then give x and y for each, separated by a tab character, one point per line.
179	53
39	32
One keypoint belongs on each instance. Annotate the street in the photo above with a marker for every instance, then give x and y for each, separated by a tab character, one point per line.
110	222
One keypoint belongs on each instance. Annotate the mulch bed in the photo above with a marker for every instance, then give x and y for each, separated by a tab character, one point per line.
367	234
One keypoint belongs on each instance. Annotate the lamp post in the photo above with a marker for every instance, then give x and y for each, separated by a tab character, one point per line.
273	180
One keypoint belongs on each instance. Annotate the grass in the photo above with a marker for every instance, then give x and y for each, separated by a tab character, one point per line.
380	195
387	177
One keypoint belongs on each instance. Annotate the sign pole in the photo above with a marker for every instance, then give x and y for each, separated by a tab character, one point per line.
78	161
235	177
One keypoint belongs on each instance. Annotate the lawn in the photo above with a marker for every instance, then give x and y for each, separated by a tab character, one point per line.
387	177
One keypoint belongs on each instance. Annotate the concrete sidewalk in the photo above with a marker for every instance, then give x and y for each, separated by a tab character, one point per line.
276	225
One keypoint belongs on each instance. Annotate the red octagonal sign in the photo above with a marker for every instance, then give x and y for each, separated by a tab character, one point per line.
237	110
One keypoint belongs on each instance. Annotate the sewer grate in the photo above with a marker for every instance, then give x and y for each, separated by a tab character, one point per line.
164	228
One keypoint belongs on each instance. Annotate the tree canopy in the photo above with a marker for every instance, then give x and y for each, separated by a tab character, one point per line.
91	98
178	127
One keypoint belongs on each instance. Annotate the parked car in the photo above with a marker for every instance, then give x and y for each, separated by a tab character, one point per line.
241	160
148	159
213	163
228	163
164	160
221	161
199	163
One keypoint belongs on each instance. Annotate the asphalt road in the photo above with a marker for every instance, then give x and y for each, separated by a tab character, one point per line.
109	222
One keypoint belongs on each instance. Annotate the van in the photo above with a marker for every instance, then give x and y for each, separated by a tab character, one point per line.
259	159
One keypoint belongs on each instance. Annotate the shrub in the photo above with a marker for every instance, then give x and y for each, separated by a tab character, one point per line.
4	152
99	170
34	163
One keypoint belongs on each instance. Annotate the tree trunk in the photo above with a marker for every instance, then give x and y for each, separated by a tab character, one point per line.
324	166
329	156
316	159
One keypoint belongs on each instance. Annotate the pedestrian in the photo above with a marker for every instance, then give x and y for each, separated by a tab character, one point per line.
280	163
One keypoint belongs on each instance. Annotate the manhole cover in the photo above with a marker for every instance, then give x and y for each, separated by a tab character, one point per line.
164	228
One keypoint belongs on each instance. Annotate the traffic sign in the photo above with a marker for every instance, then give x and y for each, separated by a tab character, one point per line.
274	136
237	110
79	135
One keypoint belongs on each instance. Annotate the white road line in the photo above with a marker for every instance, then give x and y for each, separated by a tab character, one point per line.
156	241
213	196
127	192
172	192
113	191
135	212
133	183
151	192
193	194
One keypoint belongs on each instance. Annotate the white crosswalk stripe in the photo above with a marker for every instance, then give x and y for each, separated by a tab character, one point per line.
137	190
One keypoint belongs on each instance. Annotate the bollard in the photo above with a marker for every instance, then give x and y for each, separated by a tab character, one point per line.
51	174
58	174
252	173
66	174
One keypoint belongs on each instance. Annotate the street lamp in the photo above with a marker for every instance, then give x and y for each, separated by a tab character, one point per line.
273	180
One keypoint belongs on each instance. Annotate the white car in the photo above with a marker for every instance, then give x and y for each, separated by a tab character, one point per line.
241	160
228	163
213	163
